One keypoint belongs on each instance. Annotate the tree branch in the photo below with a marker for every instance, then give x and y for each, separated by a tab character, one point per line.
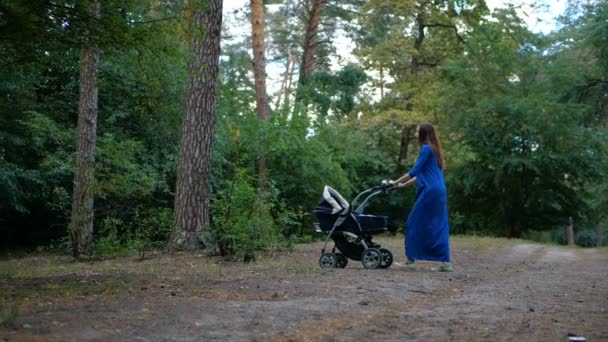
448	26
153	21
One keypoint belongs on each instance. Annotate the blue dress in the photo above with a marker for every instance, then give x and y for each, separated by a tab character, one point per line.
427	230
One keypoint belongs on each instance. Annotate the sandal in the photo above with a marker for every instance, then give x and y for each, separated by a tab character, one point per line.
406	265
444	268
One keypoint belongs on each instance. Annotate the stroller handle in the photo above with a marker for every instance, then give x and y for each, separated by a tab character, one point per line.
383	188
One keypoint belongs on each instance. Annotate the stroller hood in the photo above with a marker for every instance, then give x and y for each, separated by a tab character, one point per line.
335	200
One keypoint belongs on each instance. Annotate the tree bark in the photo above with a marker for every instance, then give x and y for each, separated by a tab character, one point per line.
406	135
259	58
259	75
284	84
287	94
418	43
570	233
81	223
191	213
308	57
381	83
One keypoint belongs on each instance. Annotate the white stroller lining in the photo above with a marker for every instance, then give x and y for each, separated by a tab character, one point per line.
335	200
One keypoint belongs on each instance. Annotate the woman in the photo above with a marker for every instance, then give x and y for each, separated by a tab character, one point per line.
427	230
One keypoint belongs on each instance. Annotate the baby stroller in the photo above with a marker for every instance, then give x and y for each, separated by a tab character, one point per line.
352	230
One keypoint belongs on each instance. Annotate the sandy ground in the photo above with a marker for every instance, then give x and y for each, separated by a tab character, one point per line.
502	290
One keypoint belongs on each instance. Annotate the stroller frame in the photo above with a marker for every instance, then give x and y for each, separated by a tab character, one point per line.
373	256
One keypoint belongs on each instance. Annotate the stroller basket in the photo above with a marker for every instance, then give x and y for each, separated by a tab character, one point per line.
372	223
369	223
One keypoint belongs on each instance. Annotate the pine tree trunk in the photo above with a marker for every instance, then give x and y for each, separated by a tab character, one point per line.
381	83
81	224
570	233
308	57
283	83
287	94
192	191
259	59
259	75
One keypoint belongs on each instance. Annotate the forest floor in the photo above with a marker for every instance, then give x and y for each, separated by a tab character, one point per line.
502	290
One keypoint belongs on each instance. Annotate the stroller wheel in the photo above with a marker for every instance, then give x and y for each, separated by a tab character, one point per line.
328	261
342	260
371	258
387	258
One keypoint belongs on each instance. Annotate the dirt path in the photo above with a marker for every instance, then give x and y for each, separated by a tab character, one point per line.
501	291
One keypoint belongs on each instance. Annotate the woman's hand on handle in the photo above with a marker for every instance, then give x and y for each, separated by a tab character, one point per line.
412	181
403	181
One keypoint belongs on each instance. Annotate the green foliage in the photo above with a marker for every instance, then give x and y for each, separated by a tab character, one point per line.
596	30
519	173
153	228
149	228
121	169
585	238
9	312
334	93
584	235
7	270
523	118
141	79
243	222
109	243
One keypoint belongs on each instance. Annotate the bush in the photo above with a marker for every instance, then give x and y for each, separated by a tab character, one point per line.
558	235
107	241
539	236
153	229
243	222
585	238
9	312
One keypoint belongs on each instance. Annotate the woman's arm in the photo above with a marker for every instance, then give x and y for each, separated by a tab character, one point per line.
406	177
410	182
407	183
425	154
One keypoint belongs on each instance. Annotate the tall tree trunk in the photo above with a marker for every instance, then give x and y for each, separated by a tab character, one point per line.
406	137
312	30
308	57
381	83
259	58
191	213
283	89
287	94
81	225
570	232
418	43
259	74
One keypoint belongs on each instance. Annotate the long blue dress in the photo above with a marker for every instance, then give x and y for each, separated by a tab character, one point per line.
427	230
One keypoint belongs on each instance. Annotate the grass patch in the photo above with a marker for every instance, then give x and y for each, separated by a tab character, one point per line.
301	259
51	288
485	243
299	266
7	270
53	265
9	312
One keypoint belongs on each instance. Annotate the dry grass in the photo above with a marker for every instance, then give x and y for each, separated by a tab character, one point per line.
484	243
301	259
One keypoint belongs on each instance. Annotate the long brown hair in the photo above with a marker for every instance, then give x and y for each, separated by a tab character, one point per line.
428	135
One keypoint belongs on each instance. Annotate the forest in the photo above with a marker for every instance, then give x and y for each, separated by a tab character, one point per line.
133	125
